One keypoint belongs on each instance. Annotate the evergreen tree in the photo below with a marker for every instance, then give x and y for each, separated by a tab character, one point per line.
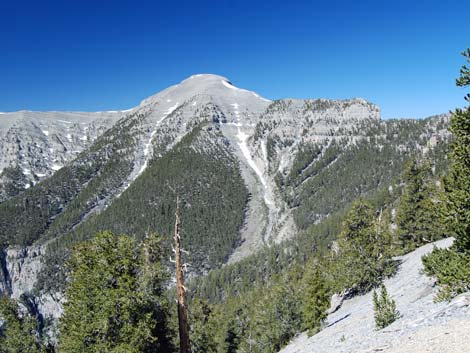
114	298
451	267
284	314
316	301
19	332
203	327
417	213
236	326
363	258
452	270
273	316
457	184
385	310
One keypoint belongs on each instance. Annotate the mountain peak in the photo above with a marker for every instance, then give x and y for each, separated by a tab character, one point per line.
206	77
218	87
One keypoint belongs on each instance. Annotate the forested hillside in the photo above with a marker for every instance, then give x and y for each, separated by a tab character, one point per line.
57	204
202	170
325	178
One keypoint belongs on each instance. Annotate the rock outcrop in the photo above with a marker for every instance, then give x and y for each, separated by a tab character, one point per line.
18	276
40	143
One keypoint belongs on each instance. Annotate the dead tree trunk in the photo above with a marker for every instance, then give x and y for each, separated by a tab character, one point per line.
183	321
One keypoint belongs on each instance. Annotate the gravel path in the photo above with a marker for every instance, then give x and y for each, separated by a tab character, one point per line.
423	327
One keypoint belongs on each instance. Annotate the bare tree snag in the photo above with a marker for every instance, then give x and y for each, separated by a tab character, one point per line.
183	321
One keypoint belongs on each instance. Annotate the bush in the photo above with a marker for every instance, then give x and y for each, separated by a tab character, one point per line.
452	271
385	311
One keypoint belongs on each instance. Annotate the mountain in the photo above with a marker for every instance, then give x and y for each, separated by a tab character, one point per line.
34	145
250	172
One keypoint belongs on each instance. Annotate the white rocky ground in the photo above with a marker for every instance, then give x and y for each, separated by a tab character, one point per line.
424	326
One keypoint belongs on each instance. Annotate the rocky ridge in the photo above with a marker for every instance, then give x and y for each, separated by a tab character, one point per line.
40	143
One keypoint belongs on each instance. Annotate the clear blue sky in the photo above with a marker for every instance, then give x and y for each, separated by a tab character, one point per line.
108	55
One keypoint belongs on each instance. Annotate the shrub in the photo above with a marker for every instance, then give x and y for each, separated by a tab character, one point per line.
452	271
385	311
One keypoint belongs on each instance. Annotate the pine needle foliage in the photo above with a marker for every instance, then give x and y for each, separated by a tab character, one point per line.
385	310
418	210
114	298
452	271
203	327
316	300
364	257
451	267
457	184
19	331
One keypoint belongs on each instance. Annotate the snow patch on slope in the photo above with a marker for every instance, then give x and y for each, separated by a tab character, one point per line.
169	111
235	110
242	137
229	85
148	144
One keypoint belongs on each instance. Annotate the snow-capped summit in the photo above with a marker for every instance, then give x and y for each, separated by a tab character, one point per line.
217	88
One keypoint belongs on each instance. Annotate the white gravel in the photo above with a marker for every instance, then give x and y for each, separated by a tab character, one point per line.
423	327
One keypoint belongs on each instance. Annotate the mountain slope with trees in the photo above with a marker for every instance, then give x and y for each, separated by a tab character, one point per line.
421	326
315	182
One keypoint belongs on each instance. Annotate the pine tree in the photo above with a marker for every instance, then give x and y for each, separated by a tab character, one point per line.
316	301
284	313
274	317
237	322
364	255
203	327
114	298
417	213
451	267
452	270
457	184
385	310
19	333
